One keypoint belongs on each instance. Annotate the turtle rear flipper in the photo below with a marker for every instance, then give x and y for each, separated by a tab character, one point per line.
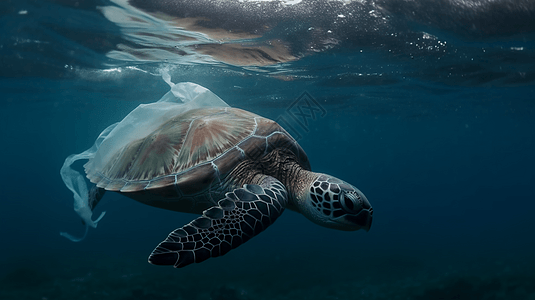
95	194
242	214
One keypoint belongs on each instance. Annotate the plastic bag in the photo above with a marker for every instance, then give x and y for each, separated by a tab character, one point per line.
137	124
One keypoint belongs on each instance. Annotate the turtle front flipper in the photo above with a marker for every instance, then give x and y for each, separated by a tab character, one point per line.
242	214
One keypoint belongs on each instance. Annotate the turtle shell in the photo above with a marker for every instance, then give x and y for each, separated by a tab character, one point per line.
185	155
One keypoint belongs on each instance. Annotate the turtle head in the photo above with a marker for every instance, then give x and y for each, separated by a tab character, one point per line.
333	203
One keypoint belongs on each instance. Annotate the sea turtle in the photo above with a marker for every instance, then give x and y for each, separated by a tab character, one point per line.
236	169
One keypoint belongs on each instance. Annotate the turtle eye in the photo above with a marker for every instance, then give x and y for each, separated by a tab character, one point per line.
347	202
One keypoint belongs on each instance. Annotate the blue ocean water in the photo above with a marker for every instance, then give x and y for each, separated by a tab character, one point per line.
428	107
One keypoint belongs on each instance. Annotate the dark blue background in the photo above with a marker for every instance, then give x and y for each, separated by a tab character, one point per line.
448	166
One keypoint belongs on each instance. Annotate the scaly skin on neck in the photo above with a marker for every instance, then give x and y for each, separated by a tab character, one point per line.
282	165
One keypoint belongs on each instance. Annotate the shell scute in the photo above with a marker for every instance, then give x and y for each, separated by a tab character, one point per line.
266	126
161	182
115	185
226	162
133	186
103	182
210	136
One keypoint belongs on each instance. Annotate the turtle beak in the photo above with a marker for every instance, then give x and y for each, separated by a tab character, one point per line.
363	219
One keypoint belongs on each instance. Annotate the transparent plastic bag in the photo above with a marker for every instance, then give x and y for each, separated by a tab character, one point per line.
139	123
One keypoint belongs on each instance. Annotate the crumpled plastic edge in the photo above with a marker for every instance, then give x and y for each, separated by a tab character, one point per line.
76	183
